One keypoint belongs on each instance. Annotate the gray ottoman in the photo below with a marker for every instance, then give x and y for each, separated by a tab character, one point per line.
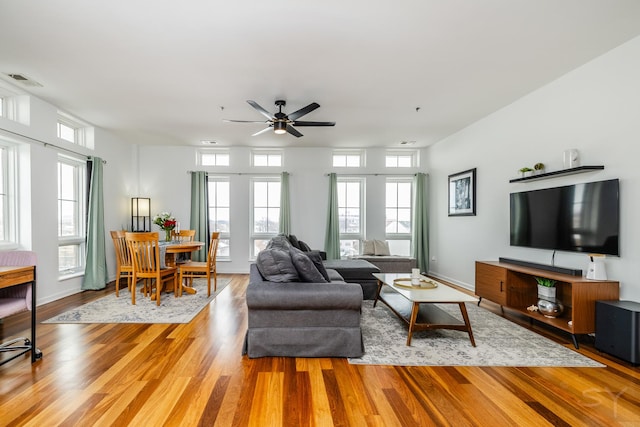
356	271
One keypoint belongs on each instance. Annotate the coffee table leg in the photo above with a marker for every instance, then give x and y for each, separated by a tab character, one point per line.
412	322
465	316
375	301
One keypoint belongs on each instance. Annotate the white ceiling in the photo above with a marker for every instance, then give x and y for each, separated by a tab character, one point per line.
159	72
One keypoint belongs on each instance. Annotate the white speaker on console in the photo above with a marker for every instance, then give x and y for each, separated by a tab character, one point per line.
596	269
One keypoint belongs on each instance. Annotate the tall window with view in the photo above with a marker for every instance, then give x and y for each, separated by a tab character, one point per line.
265	208
398	214
350	214
219	209
71	202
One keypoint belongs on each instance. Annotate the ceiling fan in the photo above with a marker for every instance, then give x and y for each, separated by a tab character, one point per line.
282	123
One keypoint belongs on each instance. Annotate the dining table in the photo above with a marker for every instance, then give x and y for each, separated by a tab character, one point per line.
173	248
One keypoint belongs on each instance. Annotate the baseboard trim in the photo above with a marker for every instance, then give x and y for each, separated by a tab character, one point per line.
546	267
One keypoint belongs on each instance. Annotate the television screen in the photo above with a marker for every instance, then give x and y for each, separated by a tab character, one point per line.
576	218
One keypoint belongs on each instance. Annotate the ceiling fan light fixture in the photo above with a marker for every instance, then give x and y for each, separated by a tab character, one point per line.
280	128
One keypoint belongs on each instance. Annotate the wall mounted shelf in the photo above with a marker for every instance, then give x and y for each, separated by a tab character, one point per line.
555	174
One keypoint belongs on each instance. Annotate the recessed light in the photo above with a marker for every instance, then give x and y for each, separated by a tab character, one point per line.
208	142
407	142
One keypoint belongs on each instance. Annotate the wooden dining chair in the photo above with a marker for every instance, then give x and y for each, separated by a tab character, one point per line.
195	269
183	235
124	266
145	254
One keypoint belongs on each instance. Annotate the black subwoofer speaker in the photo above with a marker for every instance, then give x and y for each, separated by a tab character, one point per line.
618	329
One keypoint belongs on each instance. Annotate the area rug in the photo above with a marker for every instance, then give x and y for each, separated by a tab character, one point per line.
112	309
499	342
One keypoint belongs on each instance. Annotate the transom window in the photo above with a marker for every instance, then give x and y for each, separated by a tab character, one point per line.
401	159
265	212
8	202
213	158
272	159
348	159
71	215
73	130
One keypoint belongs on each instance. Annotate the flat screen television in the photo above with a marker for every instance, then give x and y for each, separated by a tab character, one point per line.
573	218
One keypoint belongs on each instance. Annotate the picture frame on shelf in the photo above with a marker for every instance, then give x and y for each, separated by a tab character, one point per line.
462	193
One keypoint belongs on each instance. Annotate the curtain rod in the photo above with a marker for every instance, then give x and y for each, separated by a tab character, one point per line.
47	144
373	174
240	173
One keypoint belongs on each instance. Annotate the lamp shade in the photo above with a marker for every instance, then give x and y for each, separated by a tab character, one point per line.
280	128
140	214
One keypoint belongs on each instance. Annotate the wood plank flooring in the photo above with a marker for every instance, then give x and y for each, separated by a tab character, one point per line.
194	375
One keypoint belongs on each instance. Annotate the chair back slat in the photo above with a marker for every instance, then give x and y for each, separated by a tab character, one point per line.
145	253
213	249
183	235
120	245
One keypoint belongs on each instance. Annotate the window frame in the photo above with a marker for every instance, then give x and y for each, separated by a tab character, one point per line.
253	235
350	236
347	154
269	154
202	153
9	194
412	154
390	236
83	133
78	239
225	236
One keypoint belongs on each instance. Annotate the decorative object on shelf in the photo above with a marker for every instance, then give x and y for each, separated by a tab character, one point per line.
462	193
546	287
140	214
596	269
570	158
525	171
532	308
550	307
538	168
165	221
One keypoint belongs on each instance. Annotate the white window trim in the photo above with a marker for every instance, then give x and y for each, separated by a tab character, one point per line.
400	236
360	236
80	239
252	234
350	152
83	132
404	153
227	234
212	151
268	153
10	178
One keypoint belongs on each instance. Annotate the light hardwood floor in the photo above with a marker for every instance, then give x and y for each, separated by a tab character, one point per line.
194	374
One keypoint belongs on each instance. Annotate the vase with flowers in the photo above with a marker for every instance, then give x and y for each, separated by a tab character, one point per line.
165	221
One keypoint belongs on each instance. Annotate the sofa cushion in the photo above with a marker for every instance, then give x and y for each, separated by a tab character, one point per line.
303	246
275	265
294	241
279	242
305	267
375	247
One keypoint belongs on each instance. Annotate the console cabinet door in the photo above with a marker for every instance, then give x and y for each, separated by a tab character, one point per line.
491	282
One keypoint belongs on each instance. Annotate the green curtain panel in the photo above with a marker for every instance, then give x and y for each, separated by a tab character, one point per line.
200	213
284	226
332	239
95	273
420	238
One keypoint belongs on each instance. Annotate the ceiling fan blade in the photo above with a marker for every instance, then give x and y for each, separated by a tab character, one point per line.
261	110
293	131
263	131
244	121
305	110
298	123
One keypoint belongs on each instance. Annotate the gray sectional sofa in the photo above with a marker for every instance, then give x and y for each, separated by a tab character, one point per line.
298	308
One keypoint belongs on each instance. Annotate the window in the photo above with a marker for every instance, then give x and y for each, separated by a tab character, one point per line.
8	202
348	159
266	158
71	218
405	159
265	209
398	211
1	106
74	131
350	214
219	207
213	158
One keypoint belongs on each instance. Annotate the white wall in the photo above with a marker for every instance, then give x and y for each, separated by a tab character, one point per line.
38	192
596	109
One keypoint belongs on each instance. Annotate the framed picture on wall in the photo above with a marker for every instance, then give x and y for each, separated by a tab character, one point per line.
462	193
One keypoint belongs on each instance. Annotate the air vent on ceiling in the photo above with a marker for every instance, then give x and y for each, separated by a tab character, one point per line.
24	80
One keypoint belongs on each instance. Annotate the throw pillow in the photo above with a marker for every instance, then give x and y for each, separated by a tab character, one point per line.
303	246
381	247
279	242
275	265
294	241
316	258
305	267
368	247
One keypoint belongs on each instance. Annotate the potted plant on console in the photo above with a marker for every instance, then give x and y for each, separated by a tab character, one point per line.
548	304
